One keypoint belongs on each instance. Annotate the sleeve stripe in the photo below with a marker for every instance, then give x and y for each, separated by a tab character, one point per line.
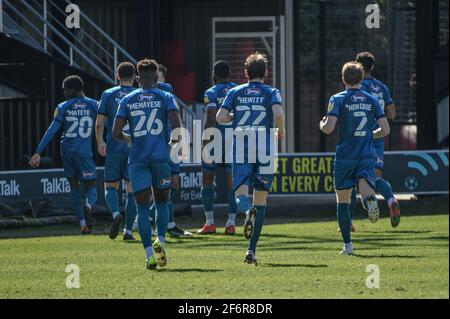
380	117
211	105
333	114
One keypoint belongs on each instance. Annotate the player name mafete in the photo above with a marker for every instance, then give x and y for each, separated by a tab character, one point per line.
9	188
51	186
78	112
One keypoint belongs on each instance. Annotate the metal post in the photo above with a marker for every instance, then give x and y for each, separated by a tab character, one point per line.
71	56
115	65
1	15
322	67
45	25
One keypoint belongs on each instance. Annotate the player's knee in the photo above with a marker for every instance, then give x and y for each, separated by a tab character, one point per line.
175	182
112	185
208	179
343	196
260	198
161	195
378	172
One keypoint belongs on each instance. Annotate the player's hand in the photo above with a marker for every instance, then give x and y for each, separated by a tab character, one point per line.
281	134
35	160
102	149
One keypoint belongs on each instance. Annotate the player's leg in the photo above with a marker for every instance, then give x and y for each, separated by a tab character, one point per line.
162	183
208	200
344	220
130	212
113	174
77	204
352	209
261	184
230	227
141	182
87	173
344	182
172	228
383	187
365	174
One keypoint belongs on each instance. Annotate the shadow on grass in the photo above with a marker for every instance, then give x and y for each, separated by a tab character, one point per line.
182	270
388	256
294	266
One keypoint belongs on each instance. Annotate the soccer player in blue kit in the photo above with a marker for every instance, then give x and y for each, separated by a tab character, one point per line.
381	92
256	111
358	113
147	111
116	153
214	98
172	228
76	117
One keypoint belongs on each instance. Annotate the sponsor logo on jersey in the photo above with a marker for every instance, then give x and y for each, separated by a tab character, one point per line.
358	98
79	105
252	91
146	97
88	174
375	88
165	181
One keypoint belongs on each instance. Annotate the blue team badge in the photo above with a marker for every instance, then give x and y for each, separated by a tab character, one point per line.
225	90
358	98
146	97
252	91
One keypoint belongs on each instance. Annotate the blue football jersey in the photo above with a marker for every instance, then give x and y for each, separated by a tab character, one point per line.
77	117
377	89
214	98
358	112
165	87
251	104
146	113
108	106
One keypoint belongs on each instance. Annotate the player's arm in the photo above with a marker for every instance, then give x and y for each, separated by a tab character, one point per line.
391	111
328	124
100	124
223	116
48	136
99	130
383	130
278	114
211	113
119	124
175	121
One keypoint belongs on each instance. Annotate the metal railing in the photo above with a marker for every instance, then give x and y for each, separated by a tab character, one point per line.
93	51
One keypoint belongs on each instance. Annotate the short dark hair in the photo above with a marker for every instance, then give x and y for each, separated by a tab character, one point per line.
147	66
163	70
367	60
352	73
73	82
126	70
256	65
221	69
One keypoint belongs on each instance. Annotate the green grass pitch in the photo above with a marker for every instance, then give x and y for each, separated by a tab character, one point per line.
296	259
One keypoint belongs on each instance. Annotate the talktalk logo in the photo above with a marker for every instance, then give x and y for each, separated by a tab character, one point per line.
252	91
52	186
146	97
358	98
9	188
